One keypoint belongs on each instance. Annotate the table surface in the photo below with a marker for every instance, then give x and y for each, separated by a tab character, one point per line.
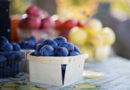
116	72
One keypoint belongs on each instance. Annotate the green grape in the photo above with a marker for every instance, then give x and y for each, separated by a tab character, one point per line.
93	27
78	36
96	40
108	36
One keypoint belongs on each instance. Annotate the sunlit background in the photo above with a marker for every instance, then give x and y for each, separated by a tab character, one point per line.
98	27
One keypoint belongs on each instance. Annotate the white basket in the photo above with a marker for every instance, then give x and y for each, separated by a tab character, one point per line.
47	70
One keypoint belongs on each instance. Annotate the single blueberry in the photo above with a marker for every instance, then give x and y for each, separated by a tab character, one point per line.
38	46
69	46
16	47
35	53
6	47
19	56
32	38
73	53
47	50
41	41
22	45
50	42
76	49
2	58
61	51
60	40
3	40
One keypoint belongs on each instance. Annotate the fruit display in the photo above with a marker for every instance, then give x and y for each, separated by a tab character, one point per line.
35	22
10	58
93	38
88	33
56	47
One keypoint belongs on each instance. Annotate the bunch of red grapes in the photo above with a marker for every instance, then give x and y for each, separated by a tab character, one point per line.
37	19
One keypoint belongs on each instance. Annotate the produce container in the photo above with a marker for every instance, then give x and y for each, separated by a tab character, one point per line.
24	63
10	63
57	71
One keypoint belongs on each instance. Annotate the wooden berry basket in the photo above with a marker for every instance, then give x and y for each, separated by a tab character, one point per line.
24	63
48	70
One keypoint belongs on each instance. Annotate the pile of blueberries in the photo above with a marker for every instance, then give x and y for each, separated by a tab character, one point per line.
28	43
56	47
10	57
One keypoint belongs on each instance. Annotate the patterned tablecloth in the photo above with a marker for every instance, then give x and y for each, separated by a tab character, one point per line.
116	72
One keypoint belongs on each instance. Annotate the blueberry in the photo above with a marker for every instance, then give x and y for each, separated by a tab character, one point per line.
73	53
32	38
2	58
50	42
19	56
3	40
61	51
41	41
38	46
69	46
16	47
35	53
47	50
76	49
22	45
27	44
60	40
6	47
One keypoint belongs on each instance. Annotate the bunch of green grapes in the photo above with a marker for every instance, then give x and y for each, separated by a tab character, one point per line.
93	38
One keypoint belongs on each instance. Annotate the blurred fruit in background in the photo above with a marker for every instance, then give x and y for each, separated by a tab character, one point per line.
88	49
93	38
108	36
36	22
73	21
77	9
19	6
78	36
122	6
102	52
14	25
